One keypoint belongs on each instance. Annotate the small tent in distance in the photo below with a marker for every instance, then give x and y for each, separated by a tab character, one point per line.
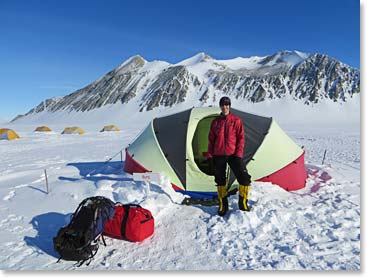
73	130
8	134
42	129
110	128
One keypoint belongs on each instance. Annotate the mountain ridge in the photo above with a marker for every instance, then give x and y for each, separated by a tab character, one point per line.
309	78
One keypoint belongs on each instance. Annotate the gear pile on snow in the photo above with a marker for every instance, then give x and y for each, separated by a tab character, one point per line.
95	216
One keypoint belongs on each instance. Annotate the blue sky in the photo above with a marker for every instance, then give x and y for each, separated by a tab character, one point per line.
51	48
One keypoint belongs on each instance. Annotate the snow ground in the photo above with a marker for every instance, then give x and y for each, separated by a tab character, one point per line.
316	228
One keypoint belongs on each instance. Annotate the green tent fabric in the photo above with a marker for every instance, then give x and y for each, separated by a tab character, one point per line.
176	145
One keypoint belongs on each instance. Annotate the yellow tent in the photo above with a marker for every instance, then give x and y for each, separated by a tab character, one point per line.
110	128
42	129
73	130
8	134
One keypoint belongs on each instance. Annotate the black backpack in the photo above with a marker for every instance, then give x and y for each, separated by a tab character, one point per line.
78	241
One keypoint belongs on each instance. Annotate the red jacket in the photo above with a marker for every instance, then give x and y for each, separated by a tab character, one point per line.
226	136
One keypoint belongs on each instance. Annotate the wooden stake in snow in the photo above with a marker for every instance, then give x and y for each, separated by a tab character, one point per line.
323	159
46	181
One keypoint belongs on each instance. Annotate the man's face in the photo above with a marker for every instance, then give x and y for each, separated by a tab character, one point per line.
225	109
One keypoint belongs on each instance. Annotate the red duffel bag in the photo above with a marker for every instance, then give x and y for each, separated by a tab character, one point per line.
130	222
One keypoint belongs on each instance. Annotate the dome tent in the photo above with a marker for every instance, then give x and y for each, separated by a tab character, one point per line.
73	130
110	128
42	129
176	145
8	134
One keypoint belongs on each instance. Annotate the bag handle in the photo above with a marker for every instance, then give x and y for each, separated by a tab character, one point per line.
134	205
124	220
126	208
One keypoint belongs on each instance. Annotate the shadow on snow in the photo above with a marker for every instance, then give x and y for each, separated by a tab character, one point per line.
89	170
47	226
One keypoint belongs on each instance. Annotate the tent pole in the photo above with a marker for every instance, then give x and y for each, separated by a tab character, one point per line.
323	159
46	181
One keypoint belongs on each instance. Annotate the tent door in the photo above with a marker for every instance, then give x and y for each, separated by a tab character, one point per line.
200	144
200	147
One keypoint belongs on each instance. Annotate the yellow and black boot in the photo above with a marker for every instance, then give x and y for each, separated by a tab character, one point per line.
223	200
244	192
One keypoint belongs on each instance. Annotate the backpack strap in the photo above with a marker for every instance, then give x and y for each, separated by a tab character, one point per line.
79	264
103	240
77	210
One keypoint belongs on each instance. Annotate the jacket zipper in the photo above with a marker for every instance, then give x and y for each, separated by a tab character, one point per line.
225	124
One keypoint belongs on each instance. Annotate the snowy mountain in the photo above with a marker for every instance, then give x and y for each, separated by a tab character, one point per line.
201	80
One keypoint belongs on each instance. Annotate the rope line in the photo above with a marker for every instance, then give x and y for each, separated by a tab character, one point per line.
108	160
104	164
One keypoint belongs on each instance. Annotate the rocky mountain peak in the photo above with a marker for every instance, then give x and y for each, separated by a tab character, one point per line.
201	80
286	57
132	64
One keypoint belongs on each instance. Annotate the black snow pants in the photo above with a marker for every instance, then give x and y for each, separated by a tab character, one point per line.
237	166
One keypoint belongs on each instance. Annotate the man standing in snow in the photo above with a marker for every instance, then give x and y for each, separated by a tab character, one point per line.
226	145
